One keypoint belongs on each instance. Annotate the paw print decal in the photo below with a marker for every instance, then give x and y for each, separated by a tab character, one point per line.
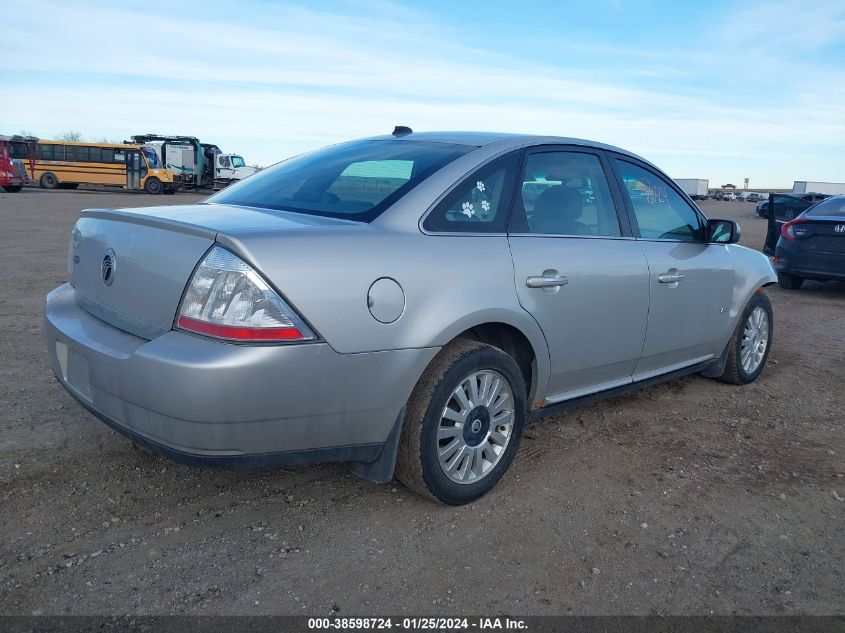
485	205
480	186
467	209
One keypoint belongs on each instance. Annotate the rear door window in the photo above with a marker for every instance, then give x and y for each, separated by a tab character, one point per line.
567	193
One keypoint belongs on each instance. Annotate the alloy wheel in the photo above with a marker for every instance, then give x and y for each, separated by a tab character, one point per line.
755	340
475	427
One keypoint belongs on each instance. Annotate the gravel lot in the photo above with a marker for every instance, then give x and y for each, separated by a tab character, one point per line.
689	497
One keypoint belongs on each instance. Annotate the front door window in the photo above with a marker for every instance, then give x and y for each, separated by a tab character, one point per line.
659	210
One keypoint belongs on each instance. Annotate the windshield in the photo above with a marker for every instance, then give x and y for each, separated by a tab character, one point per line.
238	161
152	158
356	181
830	207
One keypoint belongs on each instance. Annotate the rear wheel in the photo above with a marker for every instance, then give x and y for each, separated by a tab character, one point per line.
153	186
750	343
790	282
463	423
49	181
13	188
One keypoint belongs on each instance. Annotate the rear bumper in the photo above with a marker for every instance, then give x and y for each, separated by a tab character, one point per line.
208	403
795	261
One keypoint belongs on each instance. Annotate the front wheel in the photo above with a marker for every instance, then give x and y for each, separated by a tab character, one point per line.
153	186
12	188
751	342
463	423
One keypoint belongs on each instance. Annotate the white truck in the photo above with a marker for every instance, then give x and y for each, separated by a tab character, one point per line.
695	188
229	168
807	186
200	164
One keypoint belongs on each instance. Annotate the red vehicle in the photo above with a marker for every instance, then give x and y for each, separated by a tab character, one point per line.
16	154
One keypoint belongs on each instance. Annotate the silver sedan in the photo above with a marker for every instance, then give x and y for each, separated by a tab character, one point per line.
404	303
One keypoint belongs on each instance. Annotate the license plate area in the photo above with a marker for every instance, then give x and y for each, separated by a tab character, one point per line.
75	370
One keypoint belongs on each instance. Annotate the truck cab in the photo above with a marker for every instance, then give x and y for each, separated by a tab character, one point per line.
229	168
16	154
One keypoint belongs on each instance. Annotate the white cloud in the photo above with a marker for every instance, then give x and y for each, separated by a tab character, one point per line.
298	78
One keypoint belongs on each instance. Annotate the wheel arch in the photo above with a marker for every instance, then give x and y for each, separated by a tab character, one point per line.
521	339
753	271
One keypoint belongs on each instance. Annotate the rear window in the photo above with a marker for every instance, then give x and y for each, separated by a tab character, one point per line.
355	181
831	206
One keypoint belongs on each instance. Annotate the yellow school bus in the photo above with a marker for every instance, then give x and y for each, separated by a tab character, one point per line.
60	164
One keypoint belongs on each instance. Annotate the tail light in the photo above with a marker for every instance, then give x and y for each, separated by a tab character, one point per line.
788	230
227	299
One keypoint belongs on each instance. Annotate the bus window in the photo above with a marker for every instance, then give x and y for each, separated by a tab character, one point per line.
77	154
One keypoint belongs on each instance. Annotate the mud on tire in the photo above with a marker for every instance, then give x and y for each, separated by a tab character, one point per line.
418	463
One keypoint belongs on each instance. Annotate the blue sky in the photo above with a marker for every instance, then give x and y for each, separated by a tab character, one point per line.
718	90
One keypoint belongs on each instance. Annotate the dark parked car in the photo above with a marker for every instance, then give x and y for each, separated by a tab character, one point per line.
812	246
801	200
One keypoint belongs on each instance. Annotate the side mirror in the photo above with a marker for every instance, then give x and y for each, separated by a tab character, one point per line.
723	231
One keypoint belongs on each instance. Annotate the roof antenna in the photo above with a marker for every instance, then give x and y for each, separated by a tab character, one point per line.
402	130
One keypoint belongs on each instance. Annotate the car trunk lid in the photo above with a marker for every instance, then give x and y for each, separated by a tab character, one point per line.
130	267
821	235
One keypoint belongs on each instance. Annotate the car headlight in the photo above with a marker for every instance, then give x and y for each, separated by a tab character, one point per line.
227	299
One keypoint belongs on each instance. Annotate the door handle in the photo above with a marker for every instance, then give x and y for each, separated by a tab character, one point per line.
670	277
549	279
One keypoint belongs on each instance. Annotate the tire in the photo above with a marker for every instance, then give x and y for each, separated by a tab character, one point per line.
12	188
790	282
418	464
49	181
153	186
735	370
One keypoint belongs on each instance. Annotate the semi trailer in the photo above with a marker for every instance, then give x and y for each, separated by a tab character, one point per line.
808	186
695	188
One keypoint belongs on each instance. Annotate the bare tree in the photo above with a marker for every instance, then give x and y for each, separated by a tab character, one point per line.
70	136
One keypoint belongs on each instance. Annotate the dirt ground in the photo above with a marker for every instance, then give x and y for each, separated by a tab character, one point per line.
689	497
